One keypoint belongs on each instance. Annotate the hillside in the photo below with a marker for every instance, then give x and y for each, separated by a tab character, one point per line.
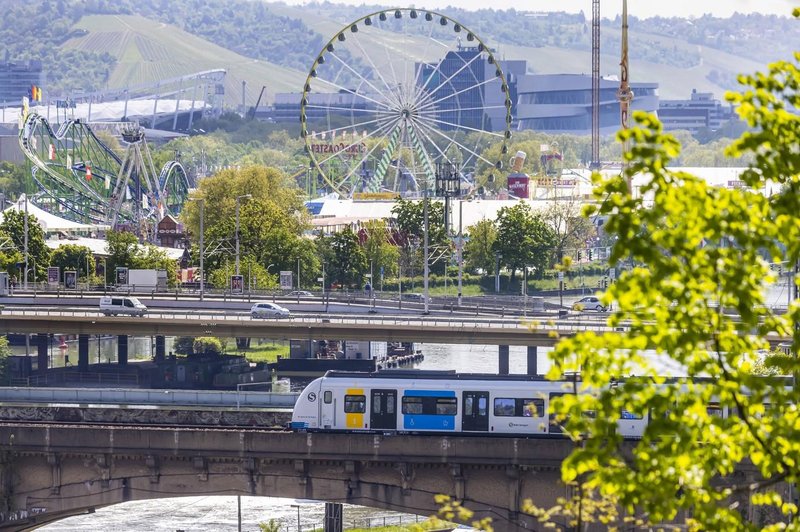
146	51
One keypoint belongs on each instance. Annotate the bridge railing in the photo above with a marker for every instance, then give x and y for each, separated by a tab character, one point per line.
548	323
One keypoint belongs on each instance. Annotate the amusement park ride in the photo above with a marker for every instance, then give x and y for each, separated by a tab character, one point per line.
81	178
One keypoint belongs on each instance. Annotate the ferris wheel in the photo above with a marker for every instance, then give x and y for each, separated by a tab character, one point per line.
397	92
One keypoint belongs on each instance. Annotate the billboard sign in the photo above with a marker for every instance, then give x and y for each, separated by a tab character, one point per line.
121	276
237	284
286	280
53	275
71	280
518	185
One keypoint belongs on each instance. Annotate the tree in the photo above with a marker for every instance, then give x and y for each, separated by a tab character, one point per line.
73	257
272	222
13	226
524	239
345	258
5	352
207	345
570	227
122	248
410	220
13	178
701	249
253	275
478	254
381	253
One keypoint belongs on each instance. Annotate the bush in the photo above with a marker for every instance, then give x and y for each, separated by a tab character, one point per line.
207	345
183	345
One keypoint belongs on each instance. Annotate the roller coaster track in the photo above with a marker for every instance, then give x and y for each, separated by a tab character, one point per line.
74	169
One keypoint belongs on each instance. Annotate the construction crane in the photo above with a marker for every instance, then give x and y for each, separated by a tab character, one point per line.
255	107
624	94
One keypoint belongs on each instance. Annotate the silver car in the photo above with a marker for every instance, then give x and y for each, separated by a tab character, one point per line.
269	310
589	303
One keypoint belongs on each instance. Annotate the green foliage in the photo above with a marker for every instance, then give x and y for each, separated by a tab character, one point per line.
346	262
183	345
379	250
207	345
73	257
254	275
124	251
273	525
699	249
13	179
524	239
5	352
271	223
410	220
478	253
13	226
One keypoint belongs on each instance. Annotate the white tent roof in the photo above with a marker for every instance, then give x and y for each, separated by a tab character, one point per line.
98	246
50	222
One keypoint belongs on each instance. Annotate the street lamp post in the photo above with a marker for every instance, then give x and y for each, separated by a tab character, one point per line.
497	257
202	203
243	196
25	282
298	515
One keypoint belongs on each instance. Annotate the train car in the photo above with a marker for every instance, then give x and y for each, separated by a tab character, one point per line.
417	401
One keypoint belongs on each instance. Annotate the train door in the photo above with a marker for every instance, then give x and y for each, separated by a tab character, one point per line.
475	412
327	410
383	409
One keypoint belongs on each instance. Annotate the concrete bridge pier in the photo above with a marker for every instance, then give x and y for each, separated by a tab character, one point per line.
83	352
42	340
122	349
533	360
503	352
160	348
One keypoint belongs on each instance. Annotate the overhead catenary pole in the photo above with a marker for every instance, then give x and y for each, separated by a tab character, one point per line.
425	247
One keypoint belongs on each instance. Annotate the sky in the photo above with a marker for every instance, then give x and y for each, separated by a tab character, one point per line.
608	8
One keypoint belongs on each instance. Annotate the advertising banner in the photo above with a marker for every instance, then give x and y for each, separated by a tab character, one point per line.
121	276
237	284
286	280
71	280
53	275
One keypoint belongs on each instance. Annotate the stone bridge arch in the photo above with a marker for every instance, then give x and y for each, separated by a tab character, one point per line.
51	472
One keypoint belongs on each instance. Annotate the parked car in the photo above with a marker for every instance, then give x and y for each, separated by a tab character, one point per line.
589	303
300	293
415	297
269	310
113	305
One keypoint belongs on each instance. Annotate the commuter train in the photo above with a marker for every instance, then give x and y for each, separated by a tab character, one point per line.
417	401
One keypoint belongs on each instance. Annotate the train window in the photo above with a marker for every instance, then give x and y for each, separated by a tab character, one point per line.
468	406
533	407
327	396
412	405
482	406
504	407
714	409
627	414
376	405
390	404
355	404
446	406
517	407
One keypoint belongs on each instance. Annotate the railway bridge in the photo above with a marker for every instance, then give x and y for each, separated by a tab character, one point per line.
48	472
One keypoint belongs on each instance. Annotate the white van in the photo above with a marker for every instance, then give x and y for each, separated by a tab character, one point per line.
113	305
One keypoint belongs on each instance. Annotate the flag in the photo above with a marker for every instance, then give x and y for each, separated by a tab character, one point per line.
108	182
88	173
145	203
69	161
52	152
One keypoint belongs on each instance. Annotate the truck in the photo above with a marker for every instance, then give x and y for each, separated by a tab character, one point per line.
145	280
